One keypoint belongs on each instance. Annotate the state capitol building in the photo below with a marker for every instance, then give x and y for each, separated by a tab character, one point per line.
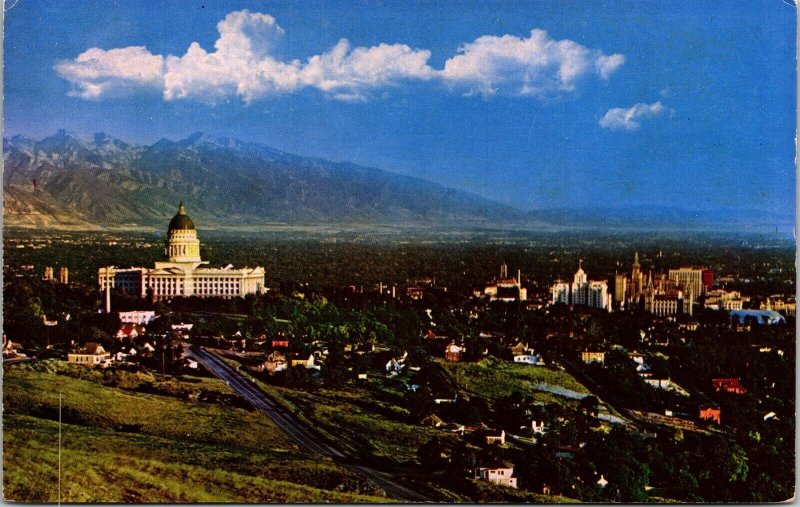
184	274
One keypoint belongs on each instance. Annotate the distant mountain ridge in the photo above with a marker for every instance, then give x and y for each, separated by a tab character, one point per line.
67	182
104	181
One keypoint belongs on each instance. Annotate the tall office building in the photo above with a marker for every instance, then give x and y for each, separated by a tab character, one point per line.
636	282
690	279
620	288
582	291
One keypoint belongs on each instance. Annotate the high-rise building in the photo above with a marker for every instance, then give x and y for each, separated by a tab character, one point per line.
636	287
184	273
582	291
63	275
620	288
689	279
708	279
48	273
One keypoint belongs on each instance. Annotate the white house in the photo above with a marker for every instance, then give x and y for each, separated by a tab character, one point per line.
501	472
141	317
528	359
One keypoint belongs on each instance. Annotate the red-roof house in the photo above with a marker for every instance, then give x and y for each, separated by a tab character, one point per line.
729	385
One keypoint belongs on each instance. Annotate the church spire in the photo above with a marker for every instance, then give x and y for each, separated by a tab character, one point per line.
636	259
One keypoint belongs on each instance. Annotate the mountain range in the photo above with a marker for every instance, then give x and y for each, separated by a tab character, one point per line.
67	182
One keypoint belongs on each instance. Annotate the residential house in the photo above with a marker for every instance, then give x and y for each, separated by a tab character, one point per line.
124	356
430	335
141	317
593	357
491	437
661	383
130	330
533	359
537	427
308	362
433	420
565	452
710	413
275	362
729	385
519	348
454	428
10	348
445	396
453	352
147	349
91	354
498	472
394	366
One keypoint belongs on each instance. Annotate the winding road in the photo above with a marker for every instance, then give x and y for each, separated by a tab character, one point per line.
298	431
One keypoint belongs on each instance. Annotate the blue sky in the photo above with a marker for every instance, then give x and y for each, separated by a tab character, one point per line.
535	104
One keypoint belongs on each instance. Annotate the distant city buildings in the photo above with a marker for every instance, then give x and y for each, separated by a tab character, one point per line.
777	303
185	273
582	291
692	279
720	299
63	274
506	289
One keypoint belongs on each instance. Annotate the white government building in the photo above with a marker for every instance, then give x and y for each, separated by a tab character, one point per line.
185	273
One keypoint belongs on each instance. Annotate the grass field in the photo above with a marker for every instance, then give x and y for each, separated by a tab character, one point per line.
127	446
493	378
367	419
368	424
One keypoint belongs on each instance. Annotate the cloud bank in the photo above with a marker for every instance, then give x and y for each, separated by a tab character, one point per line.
243	65
620	118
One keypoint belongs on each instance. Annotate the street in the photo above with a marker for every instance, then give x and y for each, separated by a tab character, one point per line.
303	435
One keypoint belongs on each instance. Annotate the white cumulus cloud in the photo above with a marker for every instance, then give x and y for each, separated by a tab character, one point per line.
538	65
240	65
347	72
243	64
620	118
96	73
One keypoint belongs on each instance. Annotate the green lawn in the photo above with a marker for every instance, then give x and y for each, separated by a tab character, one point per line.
126	446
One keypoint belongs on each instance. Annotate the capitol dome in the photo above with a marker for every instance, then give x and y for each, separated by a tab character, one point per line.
181	220
182	244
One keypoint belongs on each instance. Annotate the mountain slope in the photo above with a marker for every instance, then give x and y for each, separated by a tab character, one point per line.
66	181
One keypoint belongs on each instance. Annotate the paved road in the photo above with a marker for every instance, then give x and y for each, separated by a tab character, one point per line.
297	430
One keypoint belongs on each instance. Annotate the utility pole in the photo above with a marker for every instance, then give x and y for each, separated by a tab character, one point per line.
59	449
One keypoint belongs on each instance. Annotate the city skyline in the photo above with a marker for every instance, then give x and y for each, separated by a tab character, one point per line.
537	106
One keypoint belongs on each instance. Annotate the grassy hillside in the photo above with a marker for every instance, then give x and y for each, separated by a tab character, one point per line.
493	378
128	446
